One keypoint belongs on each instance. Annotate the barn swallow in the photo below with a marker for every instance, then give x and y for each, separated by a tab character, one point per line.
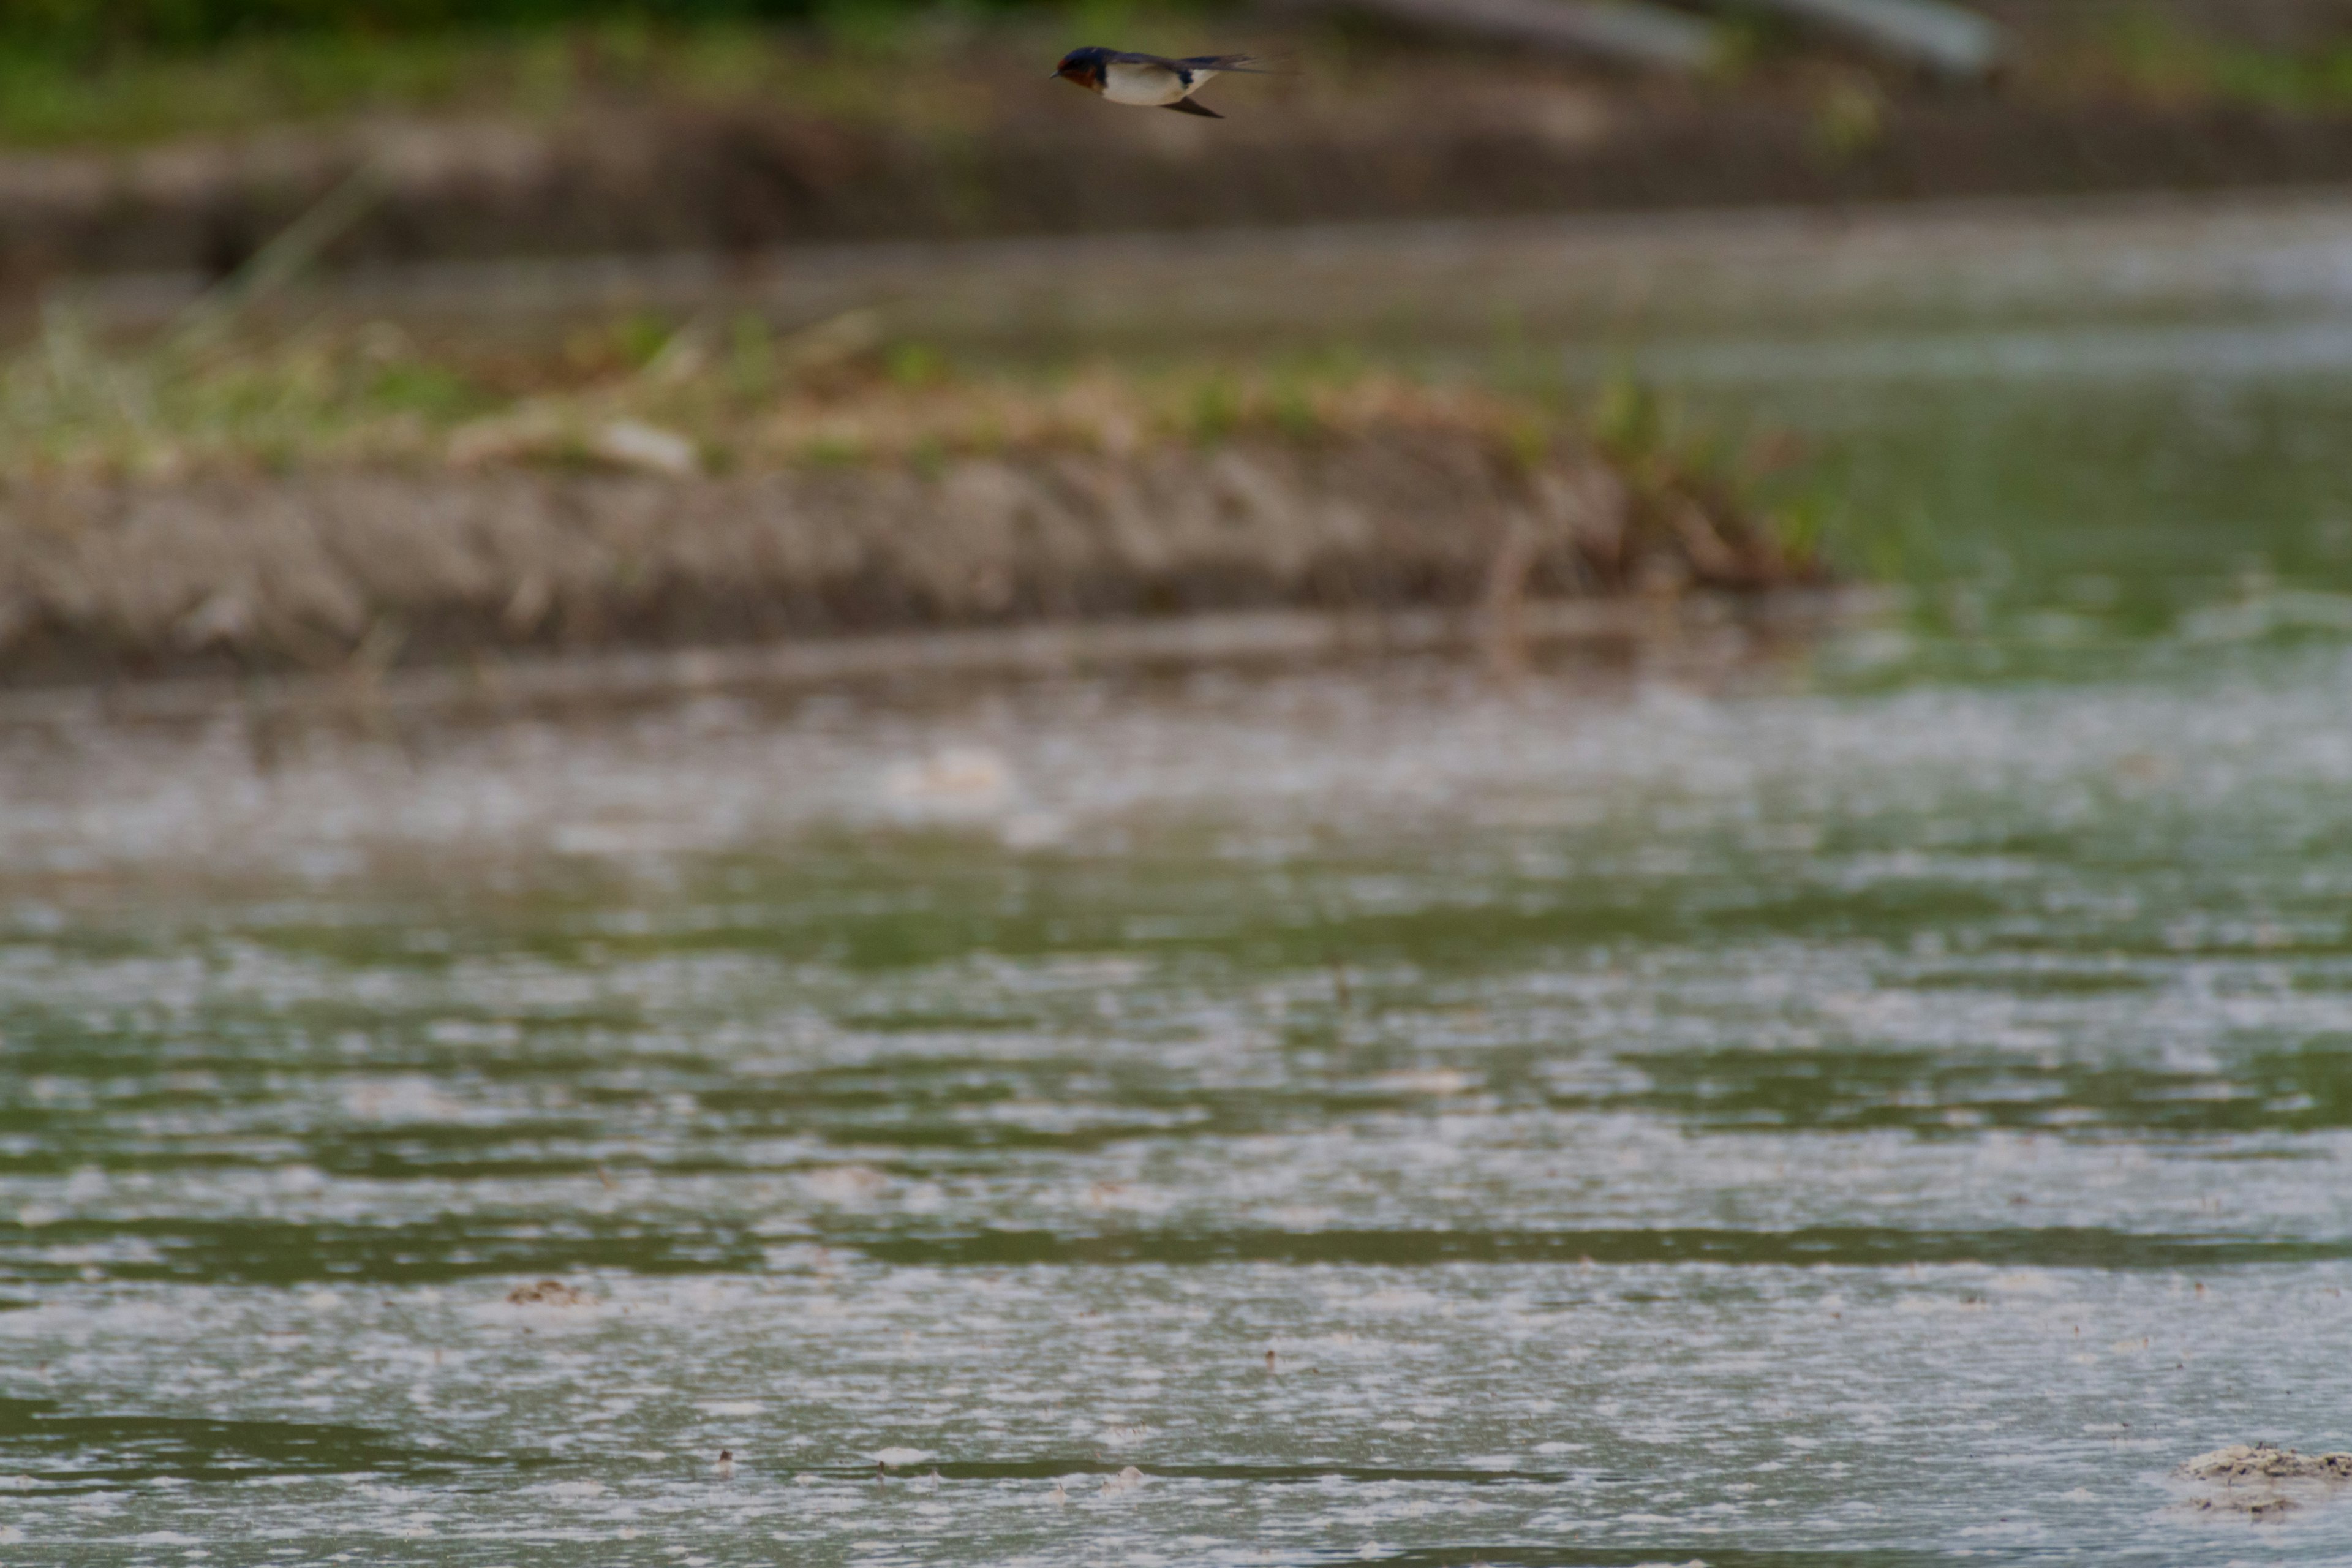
1149	80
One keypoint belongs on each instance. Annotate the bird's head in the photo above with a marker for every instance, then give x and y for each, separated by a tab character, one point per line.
1084	66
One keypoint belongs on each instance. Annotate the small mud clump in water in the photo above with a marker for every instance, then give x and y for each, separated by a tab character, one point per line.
2261	1481
2254	1505
549	1293
2263	1462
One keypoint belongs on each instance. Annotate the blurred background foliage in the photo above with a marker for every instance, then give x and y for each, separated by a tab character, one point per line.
117	70
127	71
87	28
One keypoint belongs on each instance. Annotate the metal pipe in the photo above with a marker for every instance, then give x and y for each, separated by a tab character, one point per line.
1627	34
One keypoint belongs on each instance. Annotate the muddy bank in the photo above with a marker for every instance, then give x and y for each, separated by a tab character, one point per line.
743	181
376	568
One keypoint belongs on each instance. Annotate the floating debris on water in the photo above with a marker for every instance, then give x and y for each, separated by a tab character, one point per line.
1439	1082
959	780
2254	1505
549	1293
846	1184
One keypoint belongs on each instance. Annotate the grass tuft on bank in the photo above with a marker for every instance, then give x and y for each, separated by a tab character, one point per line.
740	394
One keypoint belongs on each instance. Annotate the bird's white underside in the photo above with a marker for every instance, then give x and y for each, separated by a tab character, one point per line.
1151	86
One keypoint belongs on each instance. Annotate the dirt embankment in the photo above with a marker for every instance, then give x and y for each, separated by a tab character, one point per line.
370	568
743	180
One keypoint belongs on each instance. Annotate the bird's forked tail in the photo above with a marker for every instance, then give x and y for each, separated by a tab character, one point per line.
1251	64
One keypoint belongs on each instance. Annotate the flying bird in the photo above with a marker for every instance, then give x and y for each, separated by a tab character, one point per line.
1149	80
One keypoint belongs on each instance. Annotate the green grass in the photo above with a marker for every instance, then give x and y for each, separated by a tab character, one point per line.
2150	57
46	100
90	28
216	397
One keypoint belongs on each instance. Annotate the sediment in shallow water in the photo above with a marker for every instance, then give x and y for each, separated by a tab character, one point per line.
2264	1482
2258	1462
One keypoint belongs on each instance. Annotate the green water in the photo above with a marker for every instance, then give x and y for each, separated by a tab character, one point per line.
1871	1102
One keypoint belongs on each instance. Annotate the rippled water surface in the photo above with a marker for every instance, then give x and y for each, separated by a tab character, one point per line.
1881	1102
